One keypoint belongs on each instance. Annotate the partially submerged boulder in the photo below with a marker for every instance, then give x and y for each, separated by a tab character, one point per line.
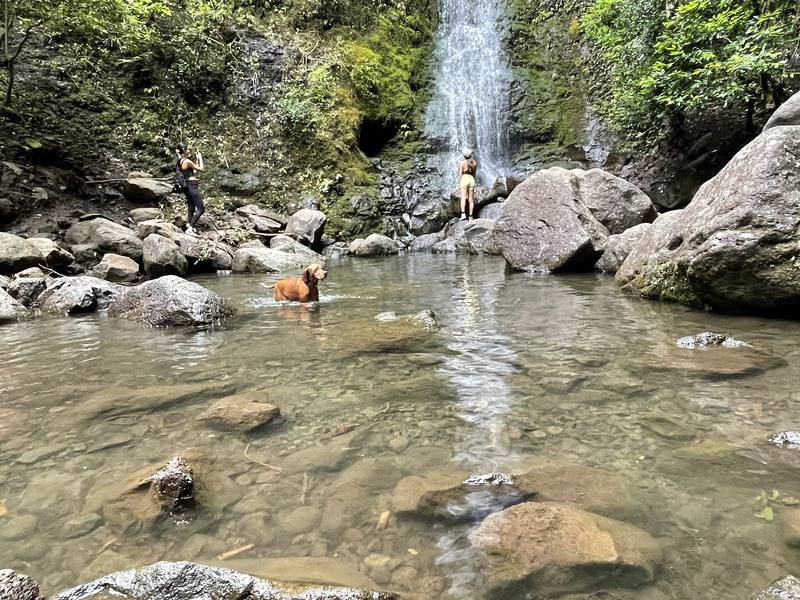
116	268
619	246
375	244
190	581
266	260
544	226
73	295
785	588
99	235
734	247
162	256
170	301
556	549
10	309
17	253
172	486
710	339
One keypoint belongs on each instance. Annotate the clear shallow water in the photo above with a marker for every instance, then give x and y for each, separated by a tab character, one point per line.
556	369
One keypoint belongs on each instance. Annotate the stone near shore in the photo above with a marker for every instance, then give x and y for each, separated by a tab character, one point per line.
170	301
54	255
307	225
286	244
27	286
73	295
190	581
172	486
266	260
116	268
17	253
146	190
466	237
100	236
16	586
239	413
162	256
618	247
375	244
734	247
144	214
10	309
552	549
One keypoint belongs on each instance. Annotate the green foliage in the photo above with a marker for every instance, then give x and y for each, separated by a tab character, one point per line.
702	55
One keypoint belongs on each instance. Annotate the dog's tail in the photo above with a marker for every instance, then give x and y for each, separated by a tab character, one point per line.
269	287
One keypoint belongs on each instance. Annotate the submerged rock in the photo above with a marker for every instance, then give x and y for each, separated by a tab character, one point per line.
786	439
72	295
239	413
16	586
734	247
170	301
190	581
706	339
556	549
786	588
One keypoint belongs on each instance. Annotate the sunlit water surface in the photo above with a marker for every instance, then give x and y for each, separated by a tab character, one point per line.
565	369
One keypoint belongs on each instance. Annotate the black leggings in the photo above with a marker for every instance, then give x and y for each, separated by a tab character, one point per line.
194	202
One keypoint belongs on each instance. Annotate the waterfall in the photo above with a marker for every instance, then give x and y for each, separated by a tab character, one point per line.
470	102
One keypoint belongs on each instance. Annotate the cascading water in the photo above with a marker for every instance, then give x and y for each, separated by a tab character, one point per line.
470	103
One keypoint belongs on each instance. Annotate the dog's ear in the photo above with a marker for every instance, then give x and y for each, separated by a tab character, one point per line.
306	276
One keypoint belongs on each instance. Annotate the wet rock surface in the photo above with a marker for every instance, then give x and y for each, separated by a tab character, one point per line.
16	586
734	247
170	301
10	309
556	549
82	294
190	581
786	588
786	439
710	339
172	486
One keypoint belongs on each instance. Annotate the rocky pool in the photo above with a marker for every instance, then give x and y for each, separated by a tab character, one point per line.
563	378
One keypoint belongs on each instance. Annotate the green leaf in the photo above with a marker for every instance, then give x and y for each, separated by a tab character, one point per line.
766	513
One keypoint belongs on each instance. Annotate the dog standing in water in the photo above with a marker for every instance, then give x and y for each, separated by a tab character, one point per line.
303	288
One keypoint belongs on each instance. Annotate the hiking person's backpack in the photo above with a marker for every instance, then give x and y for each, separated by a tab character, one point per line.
180	184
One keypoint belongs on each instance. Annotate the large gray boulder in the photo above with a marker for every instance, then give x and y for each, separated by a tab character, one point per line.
375	244
72	295
102	236
27	286
258	219
202	254
190	581
146	190
266	260
788	113
162	256
10	309
544	225
119	269
54	255
466	237
619	246
614	202
558	549
286	244
307	225
17	254
169	301
735	246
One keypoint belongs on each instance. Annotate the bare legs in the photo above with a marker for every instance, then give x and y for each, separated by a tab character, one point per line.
467	202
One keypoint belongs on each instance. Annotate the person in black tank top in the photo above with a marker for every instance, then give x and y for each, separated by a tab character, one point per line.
191	170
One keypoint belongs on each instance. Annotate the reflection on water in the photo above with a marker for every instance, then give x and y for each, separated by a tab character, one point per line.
546	370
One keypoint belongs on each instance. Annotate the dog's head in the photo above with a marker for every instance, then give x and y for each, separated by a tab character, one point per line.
313	274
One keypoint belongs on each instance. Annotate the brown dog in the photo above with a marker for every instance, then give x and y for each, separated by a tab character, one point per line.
303	288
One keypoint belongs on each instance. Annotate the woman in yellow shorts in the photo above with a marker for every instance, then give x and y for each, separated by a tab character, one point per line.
467	170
